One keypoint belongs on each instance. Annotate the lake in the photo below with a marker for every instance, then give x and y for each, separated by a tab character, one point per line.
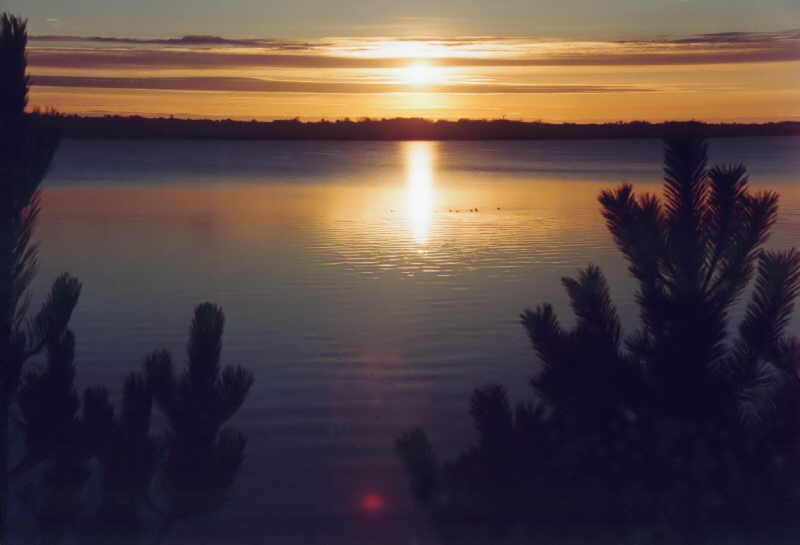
370	286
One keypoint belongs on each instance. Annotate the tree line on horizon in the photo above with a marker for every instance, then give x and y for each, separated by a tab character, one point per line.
75	126
56	443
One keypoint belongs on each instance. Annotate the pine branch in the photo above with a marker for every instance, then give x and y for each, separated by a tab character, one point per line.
726	203
545	334
760	214
591	302
493	419
52	319
233	387
685	196
418	457
776	288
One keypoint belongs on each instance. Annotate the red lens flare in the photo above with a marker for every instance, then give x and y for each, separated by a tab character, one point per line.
372	503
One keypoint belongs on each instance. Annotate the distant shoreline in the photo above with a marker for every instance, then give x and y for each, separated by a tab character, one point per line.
398	129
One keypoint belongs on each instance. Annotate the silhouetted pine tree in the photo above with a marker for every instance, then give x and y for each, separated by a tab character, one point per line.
202	456
145	485
692	255
27	145
199	458
678	423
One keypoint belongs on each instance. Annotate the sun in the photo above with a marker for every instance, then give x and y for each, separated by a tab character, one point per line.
420	73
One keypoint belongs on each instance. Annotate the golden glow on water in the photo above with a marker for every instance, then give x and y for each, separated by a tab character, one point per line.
421	209
419	183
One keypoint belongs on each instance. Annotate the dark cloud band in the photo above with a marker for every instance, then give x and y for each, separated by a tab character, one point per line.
271	86
189	40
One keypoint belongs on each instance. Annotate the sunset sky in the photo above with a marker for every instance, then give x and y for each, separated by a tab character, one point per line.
566	60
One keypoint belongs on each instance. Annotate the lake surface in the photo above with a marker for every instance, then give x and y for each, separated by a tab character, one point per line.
357	285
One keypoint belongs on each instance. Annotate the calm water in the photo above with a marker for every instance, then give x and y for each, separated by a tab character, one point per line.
357	285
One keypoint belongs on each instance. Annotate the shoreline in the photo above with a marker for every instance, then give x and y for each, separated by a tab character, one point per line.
398	129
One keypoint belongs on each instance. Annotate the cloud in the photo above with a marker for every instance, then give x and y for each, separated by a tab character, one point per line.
194	52
169	59
740	37
272	86
188	40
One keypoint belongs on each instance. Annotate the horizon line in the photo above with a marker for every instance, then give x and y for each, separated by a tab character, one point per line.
368	119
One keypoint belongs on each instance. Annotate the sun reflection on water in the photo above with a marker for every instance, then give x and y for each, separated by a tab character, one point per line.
419	176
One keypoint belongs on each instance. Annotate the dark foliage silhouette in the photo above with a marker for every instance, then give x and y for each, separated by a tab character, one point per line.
678	424
144	483
420	463
55	439
202	456
27	145
127	456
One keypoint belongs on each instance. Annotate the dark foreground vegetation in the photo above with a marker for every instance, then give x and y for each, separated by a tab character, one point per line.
685	431
76	468
395	129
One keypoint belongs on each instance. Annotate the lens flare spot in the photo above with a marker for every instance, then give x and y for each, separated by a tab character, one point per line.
373	503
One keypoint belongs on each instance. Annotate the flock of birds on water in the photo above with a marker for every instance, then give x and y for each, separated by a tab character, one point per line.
453	210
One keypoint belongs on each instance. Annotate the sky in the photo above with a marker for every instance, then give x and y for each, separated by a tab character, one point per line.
565	60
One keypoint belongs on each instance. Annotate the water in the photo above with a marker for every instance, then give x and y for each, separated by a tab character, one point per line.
357	284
